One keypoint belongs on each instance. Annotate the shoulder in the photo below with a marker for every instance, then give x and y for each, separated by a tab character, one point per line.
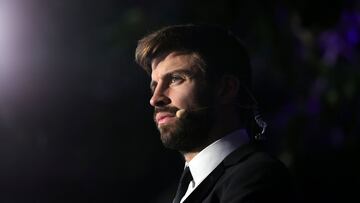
251	162
251	173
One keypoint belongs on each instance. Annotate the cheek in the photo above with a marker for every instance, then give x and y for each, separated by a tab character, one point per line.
183	97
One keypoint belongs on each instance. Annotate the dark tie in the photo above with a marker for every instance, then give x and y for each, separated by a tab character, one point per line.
185	179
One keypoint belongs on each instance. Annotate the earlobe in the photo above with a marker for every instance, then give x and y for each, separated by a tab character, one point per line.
228	88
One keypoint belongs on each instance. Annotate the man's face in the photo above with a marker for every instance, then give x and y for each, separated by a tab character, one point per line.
177	83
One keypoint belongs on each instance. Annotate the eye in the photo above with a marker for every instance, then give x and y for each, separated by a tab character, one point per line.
176	79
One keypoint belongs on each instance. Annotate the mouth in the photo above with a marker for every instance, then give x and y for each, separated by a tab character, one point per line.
164	117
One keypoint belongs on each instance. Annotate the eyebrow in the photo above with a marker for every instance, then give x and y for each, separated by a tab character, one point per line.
189	73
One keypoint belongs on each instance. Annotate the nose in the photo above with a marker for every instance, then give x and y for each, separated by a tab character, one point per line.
159	98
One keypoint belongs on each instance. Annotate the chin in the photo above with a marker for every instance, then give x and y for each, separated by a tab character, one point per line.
180	139
186	134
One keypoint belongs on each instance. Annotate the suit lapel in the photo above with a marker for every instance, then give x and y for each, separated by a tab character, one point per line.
208	184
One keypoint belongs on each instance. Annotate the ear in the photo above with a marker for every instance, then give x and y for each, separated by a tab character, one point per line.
228	88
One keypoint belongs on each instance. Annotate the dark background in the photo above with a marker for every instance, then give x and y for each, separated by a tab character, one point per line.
75	119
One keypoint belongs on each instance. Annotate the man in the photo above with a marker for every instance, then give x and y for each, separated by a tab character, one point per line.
203	107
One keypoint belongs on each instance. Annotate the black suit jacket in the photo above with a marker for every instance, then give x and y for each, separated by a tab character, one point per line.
247	175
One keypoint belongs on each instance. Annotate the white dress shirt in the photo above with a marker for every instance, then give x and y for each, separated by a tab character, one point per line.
210	157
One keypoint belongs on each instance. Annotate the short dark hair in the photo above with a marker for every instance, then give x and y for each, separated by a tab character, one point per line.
220	51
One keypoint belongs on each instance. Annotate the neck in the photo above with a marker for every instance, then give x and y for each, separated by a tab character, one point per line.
189	156
225	123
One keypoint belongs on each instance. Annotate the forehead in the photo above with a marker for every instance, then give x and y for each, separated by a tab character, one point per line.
172	62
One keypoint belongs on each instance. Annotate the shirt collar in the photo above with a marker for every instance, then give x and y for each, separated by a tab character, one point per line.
210	157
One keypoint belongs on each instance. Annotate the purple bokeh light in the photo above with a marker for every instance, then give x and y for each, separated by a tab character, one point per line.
342	40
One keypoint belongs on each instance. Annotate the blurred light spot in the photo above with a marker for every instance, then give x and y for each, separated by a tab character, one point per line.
10	29
331	44
353	36
341	40
7	29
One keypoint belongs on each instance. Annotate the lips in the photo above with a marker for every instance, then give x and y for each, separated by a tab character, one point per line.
163	117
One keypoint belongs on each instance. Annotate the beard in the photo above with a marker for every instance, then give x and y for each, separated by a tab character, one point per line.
188	133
